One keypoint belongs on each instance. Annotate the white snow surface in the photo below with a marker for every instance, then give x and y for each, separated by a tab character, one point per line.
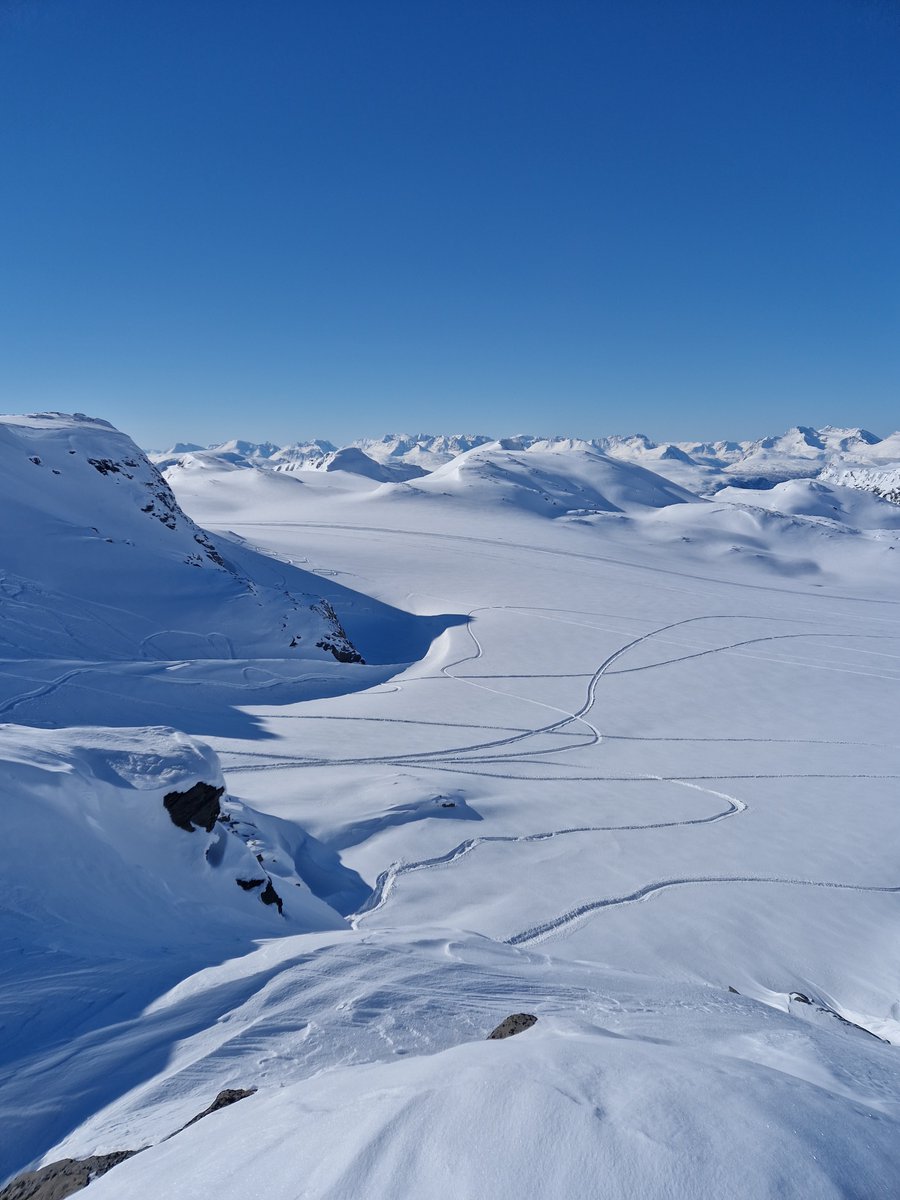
627	759
704	467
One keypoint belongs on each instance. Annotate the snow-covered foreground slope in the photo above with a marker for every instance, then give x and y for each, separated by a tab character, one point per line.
659	762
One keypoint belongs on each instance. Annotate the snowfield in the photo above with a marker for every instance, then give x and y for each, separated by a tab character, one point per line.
622	754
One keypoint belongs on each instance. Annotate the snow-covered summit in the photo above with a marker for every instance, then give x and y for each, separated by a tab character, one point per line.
552	479
100	561
425	450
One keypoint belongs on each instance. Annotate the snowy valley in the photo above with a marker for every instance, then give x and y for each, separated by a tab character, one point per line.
320	761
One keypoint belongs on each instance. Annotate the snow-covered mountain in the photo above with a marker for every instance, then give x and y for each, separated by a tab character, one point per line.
551	477
425	450
618	775
99	561
109	588
882	481
700	467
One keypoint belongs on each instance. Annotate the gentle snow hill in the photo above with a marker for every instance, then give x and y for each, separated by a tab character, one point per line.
551	479
822	499
355	462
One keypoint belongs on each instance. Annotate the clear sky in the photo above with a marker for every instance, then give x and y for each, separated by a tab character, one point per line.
293	218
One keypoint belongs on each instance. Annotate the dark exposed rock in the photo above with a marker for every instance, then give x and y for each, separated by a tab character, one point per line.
734	990
225	1097
211	552
337	642
802	998
269	896
60	1179
35	458
516	1023
341	653
105	466
197	808
249	884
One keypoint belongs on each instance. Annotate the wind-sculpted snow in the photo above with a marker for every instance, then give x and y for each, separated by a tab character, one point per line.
643	786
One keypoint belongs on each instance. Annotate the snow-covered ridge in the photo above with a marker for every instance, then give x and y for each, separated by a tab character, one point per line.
703	467
98	560
881	481
644	790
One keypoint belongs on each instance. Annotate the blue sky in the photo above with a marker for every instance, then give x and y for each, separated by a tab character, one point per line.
280	219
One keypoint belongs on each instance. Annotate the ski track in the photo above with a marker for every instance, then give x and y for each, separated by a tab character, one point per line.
448	753
449	759
46	689
593	736
776	637
569	554
387	880
540	933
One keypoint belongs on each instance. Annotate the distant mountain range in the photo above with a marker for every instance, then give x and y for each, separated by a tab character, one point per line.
852	457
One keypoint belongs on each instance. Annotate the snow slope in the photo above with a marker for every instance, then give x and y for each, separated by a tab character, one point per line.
105	580
820	498
646	792
550	478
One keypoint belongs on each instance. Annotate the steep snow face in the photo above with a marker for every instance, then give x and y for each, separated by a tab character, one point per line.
99	561
552	480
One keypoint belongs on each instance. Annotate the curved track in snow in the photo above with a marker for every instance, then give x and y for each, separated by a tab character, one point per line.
539	933
387	880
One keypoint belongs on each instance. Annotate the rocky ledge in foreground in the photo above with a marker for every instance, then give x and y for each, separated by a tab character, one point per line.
69	1175
60	1179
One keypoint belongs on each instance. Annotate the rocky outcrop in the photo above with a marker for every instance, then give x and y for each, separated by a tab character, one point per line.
269	896
225	1097
60	1179
69	1175
516	1023
826	1010
336	642
197	808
